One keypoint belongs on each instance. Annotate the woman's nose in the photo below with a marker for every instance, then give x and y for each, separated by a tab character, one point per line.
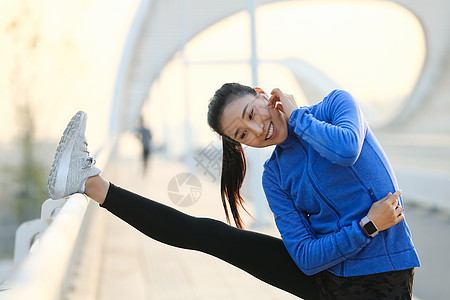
257	128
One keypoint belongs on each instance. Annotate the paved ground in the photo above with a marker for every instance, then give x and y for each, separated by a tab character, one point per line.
431	235
137	267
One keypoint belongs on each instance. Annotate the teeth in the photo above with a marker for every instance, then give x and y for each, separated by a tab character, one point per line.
269	134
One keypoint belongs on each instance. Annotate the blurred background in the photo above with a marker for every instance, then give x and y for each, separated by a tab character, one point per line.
157	63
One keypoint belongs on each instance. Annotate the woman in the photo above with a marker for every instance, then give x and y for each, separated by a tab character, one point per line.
324	174
263	256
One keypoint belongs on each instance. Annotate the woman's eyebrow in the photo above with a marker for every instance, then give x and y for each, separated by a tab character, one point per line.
235	134
243	115
245	109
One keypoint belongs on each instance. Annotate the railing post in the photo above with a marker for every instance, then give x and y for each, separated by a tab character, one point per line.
50	208
28	232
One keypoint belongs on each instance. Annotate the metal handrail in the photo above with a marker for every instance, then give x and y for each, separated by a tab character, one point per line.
40	275
46	248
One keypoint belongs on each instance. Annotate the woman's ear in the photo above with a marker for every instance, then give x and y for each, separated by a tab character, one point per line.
260	92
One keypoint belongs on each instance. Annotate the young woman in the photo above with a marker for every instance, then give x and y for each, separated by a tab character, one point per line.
324	174
262	256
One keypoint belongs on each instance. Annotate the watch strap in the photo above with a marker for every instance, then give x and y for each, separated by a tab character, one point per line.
369	227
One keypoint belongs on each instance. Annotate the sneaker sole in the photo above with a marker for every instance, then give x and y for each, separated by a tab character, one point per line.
59	172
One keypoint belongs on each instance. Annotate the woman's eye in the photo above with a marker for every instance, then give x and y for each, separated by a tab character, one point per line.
250	116
243	134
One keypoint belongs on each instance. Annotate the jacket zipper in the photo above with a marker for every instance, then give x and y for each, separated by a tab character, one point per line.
327	203
322	197
369	190
372	195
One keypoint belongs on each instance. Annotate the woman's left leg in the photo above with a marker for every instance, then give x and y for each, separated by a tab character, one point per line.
260	255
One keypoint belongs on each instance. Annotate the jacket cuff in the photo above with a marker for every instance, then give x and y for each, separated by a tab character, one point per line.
296	121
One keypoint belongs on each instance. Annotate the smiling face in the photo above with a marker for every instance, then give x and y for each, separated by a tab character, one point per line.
250	121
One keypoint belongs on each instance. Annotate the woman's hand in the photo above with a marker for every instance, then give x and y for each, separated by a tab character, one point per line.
283	102
386	212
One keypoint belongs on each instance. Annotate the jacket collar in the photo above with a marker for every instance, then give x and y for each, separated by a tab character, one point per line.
290	138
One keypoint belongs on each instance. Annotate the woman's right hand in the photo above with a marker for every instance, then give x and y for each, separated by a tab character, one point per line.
386	212
283	102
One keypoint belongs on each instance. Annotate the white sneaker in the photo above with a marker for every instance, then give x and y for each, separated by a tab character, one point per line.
72	164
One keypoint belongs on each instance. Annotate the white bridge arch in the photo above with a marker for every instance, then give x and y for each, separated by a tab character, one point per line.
157	33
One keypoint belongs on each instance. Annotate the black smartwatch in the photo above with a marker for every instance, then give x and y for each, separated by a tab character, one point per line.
369	227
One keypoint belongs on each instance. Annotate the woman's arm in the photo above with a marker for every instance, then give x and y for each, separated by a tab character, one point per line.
313	254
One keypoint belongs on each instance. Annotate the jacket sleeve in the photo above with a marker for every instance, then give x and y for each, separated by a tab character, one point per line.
312	254
340	137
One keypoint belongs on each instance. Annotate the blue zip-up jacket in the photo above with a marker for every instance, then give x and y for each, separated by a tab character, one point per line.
322	180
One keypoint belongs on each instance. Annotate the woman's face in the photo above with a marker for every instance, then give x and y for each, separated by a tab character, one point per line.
250	121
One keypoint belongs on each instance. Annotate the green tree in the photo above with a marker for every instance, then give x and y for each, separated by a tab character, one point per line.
23	185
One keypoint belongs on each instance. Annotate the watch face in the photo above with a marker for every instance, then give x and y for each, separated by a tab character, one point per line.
370	228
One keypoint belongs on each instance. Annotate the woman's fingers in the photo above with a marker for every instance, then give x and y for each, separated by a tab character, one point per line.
398	210
387	212
273	101
394	197
284	102
385	197
275	97
276	91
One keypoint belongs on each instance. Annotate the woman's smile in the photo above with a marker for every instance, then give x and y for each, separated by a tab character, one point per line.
271	133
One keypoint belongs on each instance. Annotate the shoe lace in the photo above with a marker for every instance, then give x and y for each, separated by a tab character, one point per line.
88	161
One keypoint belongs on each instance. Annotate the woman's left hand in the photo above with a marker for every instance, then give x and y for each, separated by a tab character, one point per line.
386	212
283	102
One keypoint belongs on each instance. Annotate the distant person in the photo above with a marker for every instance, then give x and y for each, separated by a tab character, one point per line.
350	241
145	137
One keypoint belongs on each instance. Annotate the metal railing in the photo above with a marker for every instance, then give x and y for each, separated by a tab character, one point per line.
45	248
40	273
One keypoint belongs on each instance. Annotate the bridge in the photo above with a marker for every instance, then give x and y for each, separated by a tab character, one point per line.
103	258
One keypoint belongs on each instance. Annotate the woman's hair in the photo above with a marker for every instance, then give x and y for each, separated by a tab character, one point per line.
233	157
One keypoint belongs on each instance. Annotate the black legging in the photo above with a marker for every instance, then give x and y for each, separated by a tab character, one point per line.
262	256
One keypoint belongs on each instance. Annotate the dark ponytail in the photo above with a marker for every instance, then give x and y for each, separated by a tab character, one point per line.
233	172
233	157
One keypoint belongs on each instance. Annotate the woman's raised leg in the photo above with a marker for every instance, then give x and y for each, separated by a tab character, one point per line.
262	256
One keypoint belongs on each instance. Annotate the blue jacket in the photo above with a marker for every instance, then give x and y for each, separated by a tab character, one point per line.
322	180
